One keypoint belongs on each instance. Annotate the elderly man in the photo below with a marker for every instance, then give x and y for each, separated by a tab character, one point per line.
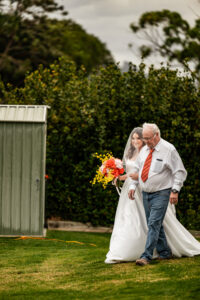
161	176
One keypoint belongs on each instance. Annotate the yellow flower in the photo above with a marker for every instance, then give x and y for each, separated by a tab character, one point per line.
99	176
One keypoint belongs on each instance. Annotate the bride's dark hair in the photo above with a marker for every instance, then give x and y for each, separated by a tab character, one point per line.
131	150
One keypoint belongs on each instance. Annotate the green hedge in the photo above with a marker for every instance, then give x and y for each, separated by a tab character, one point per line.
96	114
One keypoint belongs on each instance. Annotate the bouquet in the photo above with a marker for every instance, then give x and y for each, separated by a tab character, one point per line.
111	168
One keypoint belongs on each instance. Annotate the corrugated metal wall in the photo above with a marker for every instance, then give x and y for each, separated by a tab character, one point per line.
22	183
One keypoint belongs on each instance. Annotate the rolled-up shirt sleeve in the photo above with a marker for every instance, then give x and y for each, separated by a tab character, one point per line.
178	171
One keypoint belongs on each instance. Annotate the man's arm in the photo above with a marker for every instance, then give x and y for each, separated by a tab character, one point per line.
134	183
179	175
179	172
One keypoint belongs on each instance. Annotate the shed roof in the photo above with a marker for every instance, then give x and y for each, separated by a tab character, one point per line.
23	113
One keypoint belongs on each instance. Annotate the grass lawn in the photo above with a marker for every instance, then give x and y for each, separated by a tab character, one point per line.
56	269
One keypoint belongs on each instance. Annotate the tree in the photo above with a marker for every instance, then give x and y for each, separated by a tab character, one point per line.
28	37
33	8
168	34
72	41
22	25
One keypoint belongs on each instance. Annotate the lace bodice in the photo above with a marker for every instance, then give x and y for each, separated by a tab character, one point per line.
130	166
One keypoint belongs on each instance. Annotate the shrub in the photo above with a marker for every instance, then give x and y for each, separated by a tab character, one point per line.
96	114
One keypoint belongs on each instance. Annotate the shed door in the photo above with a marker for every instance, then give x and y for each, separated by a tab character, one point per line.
22	170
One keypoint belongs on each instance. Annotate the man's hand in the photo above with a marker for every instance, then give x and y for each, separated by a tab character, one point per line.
131	194
173	198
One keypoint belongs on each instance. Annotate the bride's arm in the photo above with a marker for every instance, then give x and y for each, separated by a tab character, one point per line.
134	176
122	177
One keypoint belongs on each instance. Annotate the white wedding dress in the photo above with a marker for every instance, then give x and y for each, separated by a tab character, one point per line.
130	229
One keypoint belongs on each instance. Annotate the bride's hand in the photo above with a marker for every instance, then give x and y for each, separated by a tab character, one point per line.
131	194
122	177
134	176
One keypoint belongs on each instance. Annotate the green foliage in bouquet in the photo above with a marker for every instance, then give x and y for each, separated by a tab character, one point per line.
97	114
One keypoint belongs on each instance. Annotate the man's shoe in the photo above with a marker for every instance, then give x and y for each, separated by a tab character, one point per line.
142	262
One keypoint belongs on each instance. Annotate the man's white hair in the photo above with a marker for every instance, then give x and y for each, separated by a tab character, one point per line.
152	126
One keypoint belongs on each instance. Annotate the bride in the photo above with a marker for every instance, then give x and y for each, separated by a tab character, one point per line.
130	228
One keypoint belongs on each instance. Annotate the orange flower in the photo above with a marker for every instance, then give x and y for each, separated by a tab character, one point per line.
111	168
110	163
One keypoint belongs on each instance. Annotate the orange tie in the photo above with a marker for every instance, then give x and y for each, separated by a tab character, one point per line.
147	164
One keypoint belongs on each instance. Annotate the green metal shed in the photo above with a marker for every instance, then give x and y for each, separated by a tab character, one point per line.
22	169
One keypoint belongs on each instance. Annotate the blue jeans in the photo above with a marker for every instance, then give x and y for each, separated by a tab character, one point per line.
155	205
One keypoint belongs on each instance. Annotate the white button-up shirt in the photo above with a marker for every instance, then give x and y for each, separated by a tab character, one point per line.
166	170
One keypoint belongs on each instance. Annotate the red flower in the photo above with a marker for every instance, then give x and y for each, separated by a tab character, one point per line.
121	171
112	166
115	173
110	163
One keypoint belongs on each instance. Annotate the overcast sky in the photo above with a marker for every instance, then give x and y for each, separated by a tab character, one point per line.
110	19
